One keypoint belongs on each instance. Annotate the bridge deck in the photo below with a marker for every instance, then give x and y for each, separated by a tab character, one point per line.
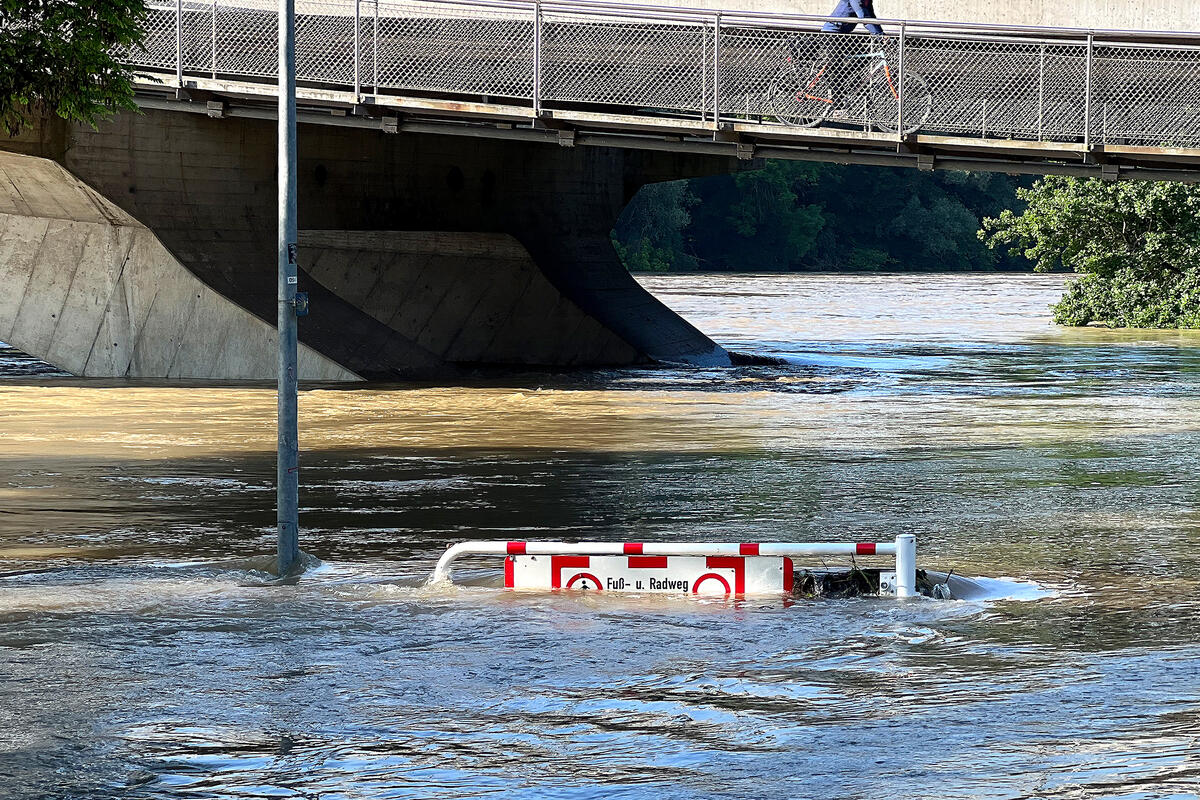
1043	100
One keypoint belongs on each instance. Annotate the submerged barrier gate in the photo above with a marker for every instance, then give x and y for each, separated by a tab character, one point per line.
672	567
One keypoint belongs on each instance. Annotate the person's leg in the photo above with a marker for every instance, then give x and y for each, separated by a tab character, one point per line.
843	9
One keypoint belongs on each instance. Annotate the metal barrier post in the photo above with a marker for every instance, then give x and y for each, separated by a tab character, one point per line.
287	446
213	59
906	565
537	59
1087	93
357	50
716	82
900	88
1041	90
179	43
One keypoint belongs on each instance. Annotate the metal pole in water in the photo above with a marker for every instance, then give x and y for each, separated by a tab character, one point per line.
288	478
906	565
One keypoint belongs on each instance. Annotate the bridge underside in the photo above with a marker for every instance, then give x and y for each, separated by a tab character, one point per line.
423	255
743	140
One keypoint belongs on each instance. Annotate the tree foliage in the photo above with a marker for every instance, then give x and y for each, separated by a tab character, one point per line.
793	215
649	234
1136	246
59	54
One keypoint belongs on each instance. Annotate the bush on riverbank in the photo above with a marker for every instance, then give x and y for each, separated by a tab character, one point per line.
1136	246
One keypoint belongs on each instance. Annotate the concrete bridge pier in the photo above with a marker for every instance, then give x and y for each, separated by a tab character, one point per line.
423	255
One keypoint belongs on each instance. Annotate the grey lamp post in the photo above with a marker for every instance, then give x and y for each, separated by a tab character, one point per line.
288	482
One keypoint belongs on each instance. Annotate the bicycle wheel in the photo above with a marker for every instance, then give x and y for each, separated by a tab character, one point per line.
800	95
885	106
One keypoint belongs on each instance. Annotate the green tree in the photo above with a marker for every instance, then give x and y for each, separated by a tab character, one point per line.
59	55
756	220
777	229
1136	246
648	235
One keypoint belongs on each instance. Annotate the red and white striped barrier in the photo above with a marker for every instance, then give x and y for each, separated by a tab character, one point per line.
671	567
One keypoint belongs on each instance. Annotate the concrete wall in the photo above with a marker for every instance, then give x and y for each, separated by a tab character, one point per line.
87	288
1164	15
206	187
464	298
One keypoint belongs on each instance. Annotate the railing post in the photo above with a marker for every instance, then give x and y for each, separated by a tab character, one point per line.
1087	93
375	48
1041	91
900	88
537	59
357	51
716	82
906	565
213	57
179	43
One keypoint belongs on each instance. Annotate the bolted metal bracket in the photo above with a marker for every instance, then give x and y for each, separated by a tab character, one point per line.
566	138
216	108
725	133
887	582
745	151
390	124
925	162
1110	172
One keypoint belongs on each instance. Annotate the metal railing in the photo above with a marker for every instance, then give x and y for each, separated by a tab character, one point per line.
716	67
904	548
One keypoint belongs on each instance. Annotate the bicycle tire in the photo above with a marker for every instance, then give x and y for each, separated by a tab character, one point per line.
798	96
918	101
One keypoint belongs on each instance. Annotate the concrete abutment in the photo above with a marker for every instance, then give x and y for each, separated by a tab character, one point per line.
423	255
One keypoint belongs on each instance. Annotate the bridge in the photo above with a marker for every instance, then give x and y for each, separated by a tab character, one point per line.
461	166
932	95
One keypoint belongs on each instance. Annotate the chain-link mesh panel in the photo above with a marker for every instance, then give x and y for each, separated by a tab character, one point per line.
198	30
662	66
456	49
995	88
1146	95
367	25
248	41
158	47
325	42
807	78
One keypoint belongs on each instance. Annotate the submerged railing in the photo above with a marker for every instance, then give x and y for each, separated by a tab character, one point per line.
1023	83
728	568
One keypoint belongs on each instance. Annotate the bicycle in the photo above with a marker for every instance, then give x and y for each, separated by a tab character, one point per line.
802	94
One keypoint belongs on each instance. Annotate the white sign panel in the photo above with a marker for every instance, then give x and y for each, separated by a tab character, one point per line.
649	574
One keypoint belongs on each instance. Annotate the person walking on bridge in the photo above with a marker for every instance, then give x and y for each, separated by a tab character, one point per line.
860	9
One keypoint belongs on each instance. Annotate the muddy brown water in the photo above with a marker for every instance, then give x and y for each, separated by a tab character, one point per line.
142	653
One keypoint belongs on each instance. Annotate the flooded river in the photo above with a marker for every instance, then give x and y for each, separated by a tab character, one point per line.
143	654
